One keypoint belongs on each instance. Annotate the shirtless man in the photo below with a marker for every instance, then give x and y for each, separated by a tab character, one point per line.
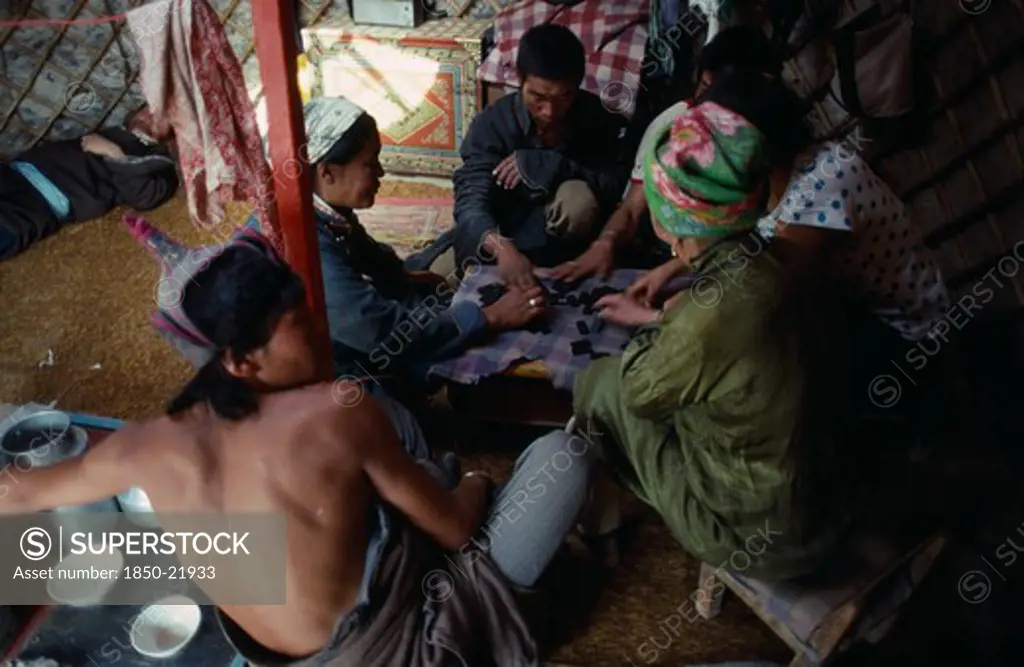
258	429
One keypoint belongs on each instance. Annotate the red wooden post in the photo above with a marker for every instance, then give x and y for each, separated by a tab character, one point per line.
274	28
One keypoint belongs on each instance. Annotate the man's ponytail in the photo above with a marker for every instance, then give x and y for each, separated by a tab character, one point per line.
229	397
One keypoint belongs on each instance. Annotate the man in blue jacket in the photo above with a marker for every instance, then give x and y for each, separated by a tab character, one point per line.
542	168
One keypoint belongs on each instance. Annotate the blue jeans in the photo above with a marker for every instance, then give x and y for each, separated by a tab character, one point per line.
533	512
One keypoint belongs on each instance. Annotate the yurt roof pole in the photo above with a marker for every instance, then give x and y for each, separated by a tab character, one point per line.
274	25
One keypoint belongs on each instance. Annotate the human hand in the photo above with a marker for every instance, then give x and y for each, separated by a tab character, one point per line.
598	260
647	286
515	269
625	311
506	174
515	308
97	145
671	301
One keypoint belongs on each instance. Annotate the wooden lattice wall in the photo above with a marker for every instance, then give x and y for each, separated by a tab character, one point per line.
965	184
64	81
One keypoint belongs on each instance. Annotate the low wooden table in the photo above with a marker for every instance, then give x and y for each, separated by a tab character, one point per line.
535	389
521	395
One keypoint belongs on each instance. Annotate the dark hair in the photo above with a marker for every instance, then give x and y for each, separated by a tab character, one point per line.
768	104
741	48
354	140
553	52
236	303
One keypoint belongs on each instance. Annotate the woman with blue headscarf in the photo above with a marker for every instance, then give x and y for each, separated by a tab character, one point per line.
384	320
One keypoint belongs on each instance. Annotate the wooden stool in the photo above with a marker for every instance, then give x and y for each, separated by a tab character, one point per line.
816	614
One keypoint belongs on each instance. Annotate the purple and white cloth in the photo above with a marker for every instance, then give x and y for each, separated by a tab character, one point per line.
554	349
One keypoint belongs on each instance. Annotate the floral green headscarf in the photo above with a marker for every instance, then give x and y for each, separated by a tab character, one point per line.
706	174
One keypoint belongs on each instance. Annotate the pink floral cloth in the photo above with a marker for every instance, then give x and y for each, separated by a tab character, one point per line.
193	80
705	174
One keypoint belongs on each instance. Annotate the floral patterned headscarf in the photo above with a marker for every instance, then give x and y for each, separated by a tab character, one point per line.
706	174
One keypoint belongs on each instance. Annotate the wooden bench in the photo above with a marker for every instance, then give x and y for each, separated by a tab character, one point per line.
859	593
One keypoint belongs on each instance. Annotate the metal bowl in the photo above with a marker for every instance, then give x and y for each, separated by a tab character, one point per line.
43	439
165	627
137	507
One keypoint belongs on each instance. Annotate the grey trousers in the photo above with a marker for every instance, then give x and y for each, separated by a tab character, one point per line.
534	511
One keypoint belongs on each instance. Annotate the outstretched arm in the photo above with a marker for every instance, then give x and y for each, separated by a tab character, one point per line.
98	474
619	231
361	317
450	517
482	150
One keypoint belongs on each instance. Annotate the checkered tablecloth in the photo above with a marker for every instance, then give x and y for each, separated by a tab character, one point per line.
614	36
554	349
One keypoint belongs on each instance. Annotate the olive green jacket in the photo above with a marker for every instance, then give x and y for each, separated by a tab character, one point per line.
729	416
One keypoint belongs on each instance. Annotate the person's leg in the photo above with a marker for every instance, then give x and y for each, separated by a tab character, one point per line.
406	426
444	265
538	507
25	215
8	241
421	260
602	514
573	213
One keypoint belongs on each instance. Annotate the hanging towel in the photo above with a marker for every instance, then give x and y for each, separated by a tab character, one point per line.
192	79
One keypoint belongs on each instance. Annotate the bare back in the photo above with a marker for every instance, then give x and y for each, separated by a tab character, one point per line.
286	459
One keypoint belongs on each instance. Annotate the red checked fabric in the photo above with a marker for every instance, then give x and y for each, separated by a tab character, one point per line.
614	36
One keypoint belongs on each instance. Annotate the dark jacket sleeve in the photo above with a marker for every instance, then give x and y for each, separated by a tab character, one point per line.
482	149
380	256
131	144
146	177
360	317
143	183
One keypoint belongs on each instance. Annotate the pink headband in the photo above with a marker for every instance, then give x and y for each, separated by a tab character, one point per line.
180	265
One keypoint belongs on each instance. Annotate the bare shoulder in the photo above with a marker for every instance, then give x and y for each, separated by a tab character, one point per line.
138	439
341	413
354	413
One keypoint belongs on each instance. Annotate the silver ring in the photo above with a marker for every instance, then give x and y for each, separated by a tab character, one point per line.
533	302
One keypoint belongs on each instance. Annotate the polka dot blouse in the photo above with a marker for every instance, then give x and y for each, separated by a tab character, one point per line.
885	259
